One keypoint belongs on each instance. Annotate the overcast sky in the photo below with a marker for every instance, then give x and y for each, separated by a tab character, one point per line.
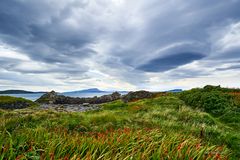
119	44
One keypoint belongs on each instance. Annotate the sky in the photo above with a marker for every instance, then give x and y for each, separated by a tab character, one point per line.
119	44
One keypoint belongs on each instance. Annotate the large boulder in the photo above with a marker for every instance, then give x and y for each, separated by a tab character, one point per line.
107	98
115	95
48	98
133	96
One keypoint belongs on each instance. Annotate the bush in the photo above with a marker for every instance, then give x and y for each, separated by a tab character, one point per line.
215	102
210	100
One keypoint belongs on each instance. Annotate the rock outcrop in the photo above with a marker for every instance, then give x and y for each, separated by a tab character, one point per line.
133	96
53	98
48	98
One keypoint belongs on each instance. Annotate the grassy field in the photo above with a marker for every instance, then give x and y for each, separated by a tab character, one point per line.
159	128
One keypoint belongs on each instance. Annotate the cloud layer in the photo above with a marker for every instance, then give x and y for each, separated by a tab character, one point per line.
118	44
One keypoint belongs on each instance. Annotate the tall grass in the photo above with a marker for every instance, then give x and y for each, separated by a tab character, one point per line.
159	128
112	144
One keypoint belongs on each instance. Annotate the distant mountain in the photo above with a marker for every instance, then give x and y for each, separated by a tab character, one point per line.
91	90
18	92
175	90
94	90
123	92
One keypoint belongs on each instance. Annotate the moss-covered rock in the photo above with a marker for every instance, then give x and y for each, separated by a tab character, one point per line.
133	96
8	102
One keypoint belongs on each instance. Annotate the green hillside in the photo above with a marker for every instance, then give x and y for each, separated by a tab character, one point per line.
8	102
173	126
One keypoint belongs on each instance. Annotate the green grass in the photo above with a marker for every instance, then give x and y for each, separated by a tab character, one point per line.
9	99
159	128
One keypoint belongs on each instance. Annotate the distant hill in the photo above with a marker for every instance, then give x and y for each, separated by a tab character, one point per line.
91	90
94	90
123	92
175	90
18	92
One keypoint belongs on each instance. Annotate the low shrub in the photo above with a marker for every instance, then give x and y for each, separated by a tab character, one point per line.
211	101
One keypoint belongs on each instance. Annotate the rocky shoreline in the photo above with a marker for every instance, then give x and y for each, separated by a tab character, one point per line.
61	103
54	101
70	107
54	98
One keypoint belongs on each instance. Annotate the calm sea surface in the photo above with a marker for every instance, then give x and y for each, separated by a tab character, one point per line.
35	96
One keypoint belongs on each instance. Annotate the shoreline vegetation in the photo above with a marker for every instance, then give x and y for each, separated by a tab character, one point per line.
201	123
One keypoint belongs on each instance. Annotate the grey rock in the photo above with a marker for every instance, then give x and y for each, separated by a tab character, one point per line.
69	107
133	96
86	104
53	98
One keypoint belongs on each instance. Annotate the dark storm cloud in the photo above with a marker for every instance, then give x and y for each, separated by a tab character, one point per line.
8	63
186	73
176	22
170	62
37	30
123	40
233	67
